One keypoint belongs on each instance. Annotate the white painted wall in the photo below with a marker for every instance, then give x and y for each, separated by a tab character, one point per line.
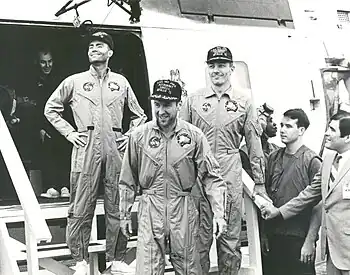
280	67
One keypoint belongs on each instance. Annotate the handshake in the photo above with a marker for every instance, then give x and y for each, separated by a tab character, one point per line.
267	209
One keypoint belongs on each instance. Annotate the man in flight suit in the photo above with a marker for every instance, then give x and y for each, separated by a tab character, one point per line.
226	115
97	99
165	157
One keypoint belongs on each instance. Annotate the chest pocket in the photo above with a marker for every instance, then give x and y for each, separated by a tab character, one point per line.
149	168
83	106
85	98
116	98
186	169
202	119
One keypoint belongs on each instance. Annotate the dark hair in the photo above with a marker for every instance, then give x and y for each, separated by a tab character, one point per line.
43	50
299	115
344	122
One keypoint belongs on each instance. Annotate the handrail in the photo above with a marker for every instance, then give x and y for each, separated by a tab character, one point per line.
8	264
252	224
34	218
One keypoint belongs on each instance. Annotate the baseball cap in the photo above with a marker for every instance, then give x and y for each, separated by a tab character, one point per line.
219	53
167	90
103	37
265	110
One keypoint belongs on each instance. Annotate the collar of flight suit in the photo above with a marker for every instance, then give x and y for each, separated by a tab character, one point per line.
178	126
210	92
94	73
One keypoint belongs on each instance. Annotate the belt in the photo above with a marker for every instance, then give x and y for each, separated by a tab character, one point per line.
88	128
231	151
115	129
183	193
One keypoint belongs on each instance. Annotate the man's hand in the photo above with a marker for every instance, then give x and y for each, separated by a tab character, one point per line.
308	252
264	245
43	135
122	142
259	189
220	226
125	227
269	211
77	139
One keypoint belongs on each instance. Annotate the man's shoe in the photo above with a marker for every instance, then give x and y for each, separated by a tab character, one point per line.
65	192
121	268
51	193
81	268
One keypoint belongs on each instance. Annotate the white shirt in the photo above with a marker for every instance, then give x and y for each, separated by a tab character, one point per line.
344	159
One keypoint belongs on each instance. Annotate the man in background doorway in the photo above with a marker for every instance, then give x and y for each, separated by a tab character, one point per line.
54	151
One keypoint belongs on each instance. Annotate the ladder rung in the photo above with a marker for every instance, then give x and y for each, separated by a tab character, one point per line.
57	250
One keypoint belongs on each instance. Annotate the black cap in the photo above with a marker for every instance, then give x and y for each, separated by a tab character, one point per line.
265	110
219	53
103	37
268	109
167	90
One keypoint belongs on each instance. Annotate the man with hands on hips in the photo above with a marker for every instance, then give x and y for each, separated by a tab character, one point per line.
97	98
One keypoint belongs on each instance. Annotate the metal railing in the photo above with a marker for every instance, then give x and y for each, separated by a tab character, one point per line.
36	229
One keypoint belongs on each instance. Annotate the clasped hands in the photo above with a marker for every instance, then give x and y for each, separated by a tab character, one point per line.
269	211
264	202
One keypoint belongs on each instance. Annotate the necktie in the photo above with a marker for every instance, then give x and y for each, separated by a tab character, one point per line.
334	172
336	162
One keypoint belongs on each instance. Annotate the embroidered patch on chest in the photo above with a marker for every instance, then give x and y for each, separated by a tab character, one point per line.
231	106
113	86
154	142
183	139
88	86
206	106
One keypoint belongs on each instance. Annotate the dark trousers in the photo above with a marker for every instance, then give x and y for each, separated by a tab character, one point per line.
283	257
55	163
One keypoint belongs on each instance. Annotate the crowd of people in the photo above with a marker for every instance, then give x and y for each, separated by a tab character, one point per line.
186	164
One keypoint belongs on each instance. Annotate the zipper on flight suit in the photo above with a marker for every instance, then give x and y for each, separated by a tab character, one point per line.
216	127
100	82
166	226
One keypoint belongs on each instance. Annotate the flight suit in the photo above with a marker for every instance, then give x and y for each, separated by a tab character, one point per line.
166	169
225	121
268	148
97	106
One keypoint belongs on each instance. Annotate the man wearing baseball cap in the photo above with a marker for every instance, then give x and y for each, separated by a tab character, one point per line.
165	157
225	115
97	99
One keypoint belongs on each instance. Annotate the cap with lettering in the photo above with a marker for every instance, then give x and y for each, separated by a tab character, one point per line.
219	53
103	37
166	90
